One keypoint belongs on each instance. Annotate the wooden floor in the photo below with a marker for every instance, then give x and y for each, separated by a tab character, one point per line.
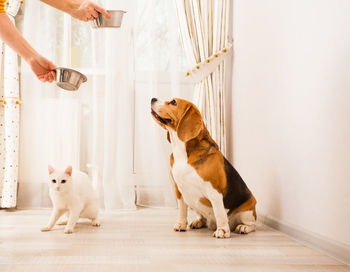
143	240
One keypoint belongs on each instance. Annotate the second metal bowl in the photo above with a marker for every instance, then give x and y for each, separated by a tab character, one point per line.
115	21
69	79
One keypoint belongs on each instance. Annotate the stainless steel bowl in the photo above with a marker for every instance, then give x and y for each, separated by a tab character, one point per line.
69	79
115	21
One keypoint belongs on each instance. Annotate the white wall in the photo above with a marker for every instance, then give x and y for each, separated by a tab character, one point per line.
291	110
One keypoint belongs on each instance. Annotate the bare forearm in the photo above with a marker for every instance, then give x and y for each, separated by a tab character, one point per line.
83	10
11	36
64	5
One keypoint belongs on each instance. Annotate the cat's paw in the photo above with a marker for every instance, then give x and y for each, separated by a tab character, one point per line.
95	223
45	229
180	226
68	231
221	233
63	222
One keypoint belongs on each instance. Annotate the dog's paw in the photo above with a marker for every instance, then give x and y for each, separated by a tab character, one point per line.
95	223
68	230
221	233
244	229
198	223
63	222
180	226
45	229
212	225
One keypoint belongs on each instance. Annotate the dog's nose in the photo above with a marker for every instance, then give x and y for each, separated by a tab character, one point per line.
153	100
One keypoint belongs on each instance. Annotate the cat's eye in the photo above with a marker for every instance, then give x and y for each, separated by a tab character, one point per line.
63	181
173	102
53	181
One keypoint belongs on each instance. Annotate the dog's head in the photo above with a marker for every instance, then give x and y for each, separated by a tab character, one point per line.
179	115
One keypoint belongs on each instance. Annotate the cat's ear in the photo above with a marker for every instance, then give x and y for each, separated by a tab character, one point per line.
51	170
68	171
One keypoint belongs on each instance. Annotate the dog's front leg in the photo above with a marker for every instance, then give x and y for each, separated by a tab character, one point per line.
181	223
222	227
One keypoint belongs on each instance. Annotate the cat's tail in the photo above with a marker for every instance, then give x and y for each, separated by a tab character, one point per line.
94	175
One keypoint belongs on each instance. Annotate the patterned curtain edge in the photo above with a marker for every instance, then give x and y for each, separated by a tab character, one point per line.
10	102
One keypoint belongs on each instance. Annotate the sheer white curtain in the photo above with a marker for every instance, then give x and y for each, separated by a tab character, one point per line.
159	72
93	125
107	122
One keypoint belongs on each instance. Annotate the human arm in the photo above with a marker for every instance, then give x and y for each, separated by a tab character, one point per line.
11	36
80	9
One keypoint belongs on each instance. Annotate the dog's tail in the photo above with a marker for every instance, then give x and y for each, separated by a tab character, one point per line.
94	175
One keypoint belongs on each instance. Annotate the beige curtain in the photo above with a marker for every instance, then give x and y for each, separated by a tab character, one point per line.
9	118
204	31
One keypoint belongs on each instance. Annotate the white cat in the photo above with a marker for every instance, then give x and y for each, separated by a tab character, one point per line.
71	192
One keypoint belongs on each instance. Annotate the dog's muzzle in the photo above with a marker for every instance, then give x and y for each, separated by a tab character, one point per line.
154	107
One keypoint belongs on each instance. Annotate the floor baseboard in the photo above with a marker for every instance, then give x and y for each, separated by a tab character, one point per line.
337	250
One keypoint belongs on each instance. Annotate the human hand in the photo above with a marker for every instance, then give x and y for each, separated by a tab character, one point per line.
42	68
88	11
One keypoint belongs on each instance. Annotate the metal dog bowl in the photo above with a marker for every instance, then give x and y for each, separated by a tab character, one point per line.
69	79
115	21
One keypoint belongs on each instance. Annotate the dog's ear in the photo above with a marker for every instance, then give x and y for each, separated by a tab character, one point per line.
168	136
190	124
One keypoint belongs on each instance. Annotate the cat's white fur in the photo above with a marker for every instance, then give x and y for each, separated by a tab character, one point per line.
75	196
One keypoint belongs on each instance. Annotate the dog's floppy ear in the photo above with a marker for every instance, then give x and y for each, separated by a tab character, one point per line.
168	136
190	124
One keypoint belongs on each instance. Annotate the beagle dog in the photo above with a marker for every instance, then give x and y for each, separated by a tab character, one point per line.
204	180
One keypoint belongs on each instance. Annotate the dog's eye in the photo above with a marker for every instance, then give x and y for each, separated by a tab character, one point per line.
63	181
53	181
173	102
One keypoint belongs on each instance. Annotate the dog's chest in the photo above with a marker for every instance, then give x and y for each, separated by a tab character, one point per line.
189	183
